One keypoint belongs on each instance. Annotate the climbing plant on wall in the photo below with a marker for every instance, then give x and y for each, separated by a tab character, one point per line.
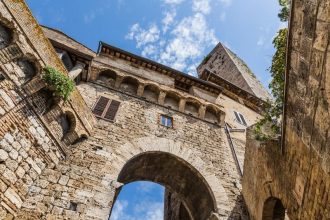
61	84
274	111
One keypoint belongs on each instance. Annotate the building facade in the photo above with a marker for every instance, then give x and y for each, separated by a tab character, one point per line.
129	119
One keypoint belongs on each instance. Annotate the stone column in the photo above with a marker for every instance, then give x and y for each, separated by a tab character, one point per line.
222	118
140	90
201	111
182	105
161	97
119	80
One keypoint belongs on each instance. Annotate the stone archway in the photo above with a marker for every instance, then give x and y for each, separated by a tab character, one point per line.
274	210
160	160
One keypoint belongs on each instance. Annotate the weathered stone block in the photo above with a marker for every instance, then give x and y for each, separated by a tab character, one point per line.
3	155
13	197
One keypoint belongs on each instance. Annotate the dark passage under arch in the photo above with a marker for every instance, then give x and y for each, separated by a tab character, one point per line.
273	210
176	175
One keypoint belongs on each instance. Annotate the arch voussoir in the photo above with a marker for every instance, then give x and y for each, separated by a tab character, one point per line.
139	146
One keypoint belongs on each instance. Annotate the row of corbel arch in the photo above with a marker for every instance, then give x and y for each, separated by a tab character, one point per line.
162	95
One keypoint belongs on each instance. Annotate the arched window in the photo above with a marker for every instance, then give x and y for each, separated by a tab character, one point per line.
108	76
6	36
25	70
151	93
172	100
130	85
67	124
211	115
43	101
192	108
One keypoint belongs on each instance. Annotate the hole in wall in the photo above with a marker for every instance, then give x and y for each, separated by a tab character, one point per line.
6	36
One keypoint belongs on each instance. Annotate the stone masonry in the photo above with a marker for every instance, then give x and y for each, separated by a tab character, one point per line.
129	119
290	179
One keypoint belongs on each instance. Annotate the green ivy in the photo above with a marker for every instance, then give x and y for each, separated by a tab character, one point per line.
62	85
274	109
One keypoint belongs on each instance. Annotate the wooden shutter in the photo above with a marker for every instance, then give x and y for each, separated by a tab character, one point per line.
237	117
100	106
112	110
243	119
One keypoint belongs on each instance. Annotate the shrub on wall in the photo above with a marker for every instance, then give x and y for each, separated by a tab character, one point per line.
270	125
61	84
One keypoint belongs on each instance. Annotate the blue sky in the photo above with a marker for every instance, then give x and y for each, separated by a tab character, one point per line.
139	201
177	33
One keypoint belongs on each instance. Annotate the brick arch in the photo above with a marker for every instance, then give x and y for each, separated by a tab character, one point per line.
146	145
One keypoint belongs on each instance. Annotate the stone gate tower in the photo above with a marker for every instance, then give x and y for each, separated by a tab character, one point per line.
128	119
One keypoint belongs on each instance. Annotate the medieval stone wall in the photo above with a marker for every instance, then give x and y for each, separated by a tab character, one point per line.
91	172
28	128
53	165
293	176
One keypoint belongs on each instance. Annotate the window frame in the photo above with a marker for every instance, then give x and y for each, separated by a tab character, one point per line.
240	118
106	108
166	122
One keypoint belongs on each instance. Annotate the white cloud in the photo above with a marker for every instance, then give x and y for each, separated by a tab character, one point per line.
144	210
145	186
173	2
168	20
118	213
182	43
189	39
142	36
202	6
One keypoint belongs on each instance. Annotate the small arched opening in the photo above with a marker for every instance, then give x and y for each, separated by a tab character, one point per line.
195	197
274	210
6	36
151	93
108	77
43	101
211	115
25	70
67	123
172	100
192	108
130	85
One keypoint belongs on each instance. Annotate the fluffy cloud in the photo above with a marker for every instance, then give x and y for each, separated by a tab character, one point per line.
144	210
173	2
189	38
168	20
182	43
202	6
143	36
118	212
